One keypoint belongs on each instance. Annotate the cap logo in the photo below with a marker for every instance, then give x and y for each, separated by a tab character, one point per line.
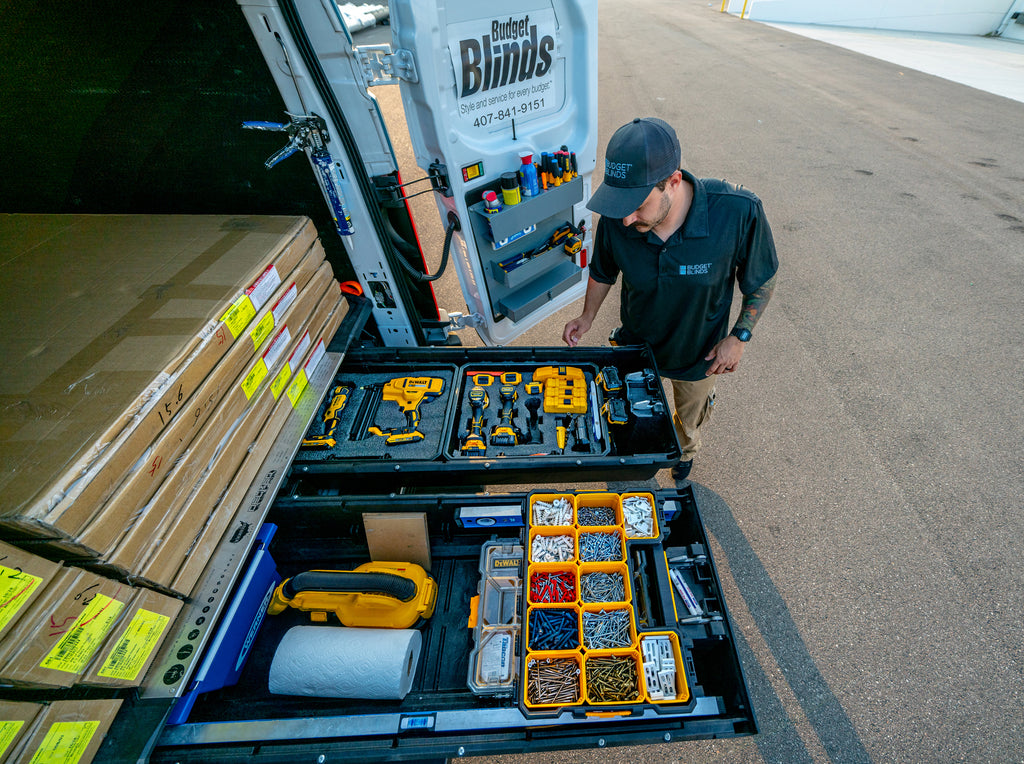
617	169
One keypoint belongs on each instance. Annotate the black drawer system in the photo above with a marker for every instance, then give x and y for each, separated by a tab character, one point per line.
480	416
418	432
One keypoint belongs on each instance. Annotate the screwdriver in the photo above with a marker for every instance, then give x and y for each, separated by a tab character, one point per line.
560	432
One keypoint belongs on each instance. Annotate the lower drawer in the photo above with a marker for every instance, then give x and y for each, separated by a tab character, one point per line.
445	712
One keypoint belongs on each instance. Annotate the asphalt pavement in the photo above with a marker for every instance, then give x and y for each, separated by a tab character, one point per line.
863	473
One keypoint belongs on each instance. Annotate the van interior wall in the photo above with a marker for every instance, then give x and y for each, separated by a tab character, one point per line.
137	108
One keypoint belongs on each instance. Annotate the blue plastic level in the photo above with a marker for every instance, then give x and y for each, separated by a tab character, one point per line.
504	516
227	652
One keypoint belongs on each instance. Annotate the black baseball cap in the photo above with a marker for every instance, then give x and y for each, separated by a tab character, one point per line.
640	155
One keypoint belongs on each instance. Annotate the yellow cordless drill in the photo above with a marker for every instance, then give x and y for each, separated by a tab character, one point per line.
505	433
474	441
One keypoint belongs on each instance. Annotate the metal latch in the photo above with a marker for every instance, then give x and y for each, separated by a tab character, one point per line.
458	321
382	66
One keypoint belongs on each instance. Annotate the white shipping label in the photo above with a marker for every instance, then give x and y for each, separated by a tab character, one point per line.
295	359
496	660
314	358
506	69
264	286
273	353
284	303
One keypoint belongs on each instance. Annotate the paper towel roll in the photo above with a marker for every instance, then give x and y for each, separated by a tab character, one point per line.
341	662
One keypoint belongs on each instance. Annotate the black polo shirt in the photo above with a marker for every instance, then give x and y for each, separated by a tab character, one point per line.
676	295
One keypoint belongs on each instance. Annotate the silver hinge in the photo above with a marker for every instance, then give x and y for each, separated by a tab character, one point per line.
462	321
382	66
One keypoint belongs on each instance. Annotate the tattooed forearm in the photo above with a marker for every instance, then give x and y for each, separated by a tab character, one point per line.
754	305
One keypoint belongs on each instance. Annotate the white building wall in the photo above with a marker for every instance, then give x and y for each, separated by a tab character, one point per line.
977	17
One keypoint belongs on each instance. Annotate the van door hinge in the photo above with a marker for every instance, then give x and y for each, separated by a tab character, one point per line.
382	66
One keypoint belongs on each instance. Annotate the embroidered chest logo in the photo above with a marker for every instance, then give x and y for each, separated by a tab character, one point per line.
695	270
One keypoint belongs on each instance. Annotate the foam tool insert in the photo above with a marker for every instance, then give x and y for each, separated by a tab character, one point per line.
386	414
522	410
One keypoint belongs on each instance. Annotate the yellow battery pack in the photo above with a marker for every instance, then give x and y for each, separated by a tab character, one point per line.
565	389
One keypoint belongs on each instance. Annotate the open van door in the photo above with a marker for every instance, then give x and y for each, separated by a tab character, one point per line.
481	91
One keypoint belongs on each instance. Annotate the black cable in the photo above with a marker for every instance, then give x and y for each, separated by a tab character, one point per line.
453	226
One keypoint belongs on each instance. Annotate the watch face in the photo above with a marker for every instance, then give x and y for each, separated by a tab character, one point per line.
743	335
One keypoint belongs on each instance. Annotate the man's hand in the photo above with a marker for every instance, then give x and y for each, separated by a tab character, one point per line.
725	356
575	329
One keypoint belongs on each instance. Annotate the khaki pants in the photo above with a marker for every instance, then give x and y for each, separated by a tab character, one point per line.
693	404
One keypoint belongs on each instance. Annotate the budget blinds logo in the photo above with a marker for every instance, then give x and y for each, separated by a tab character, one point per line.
618	170
510	53
699	269
505	67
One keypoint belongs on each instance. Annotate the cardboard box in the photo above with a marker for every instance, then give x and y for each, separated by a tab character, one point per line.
132	468
229	512
69	732
132	646
118	317
23	577
222	398
55	641
16	721
167	549
140	523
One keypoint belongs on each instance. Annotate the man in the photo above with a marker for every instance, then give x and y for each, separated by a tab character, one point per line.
680	244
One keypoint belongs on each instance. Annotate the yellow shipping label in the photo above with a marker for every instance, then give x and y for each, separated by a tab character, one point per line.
15	589
9	731
296	387
75	649
281	381
262	330
239	315
135	646
253	378
65	743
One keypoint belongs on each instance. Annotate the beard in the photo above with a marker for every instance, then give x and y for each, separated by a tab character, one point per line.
645	225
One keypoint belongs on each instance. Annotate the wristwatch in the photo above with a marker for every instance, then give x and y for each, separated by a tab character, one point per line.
743	335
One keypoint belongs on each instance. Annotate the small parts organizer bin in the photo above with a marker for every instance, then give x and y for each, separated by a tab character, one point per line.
495	620
581	645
